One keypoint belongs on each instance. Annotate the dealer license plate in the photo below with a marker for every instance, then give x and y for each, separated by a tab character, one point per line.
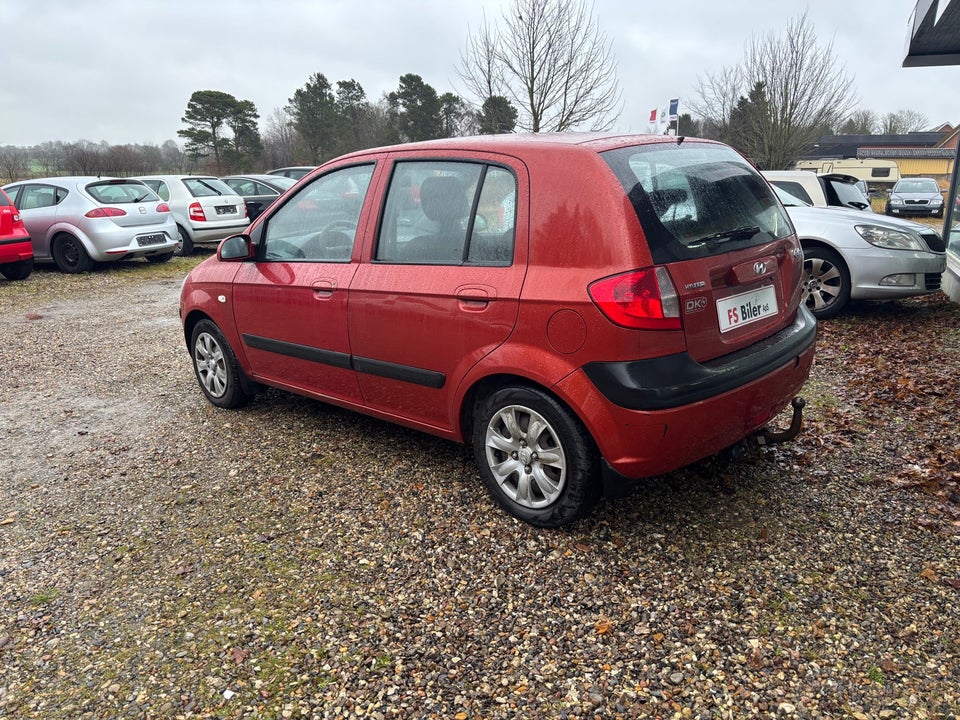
226	209
745	308
156	239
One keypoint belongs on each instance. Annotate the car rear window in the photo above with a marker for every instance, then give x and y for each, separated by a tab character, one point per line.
4	200
121	192
697	199
207	187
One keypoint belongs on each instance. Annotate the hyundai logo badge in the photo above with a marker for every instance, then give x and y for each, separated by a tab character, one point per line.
760	268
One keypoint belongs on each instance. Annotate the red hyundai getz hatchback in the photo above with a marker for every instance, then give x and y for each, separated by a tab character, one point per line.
577	307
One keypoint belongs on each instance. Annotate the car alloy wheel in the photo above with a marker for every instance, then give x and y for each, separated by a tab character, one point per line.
216	367
536	459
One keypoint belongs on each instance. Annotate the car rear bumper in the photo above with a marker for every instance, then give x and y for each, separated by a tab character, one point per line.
674	380
15	250
703	409
206	234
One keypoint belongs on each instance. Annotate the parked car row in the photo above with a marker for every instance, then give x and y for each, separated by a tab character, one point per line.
77	221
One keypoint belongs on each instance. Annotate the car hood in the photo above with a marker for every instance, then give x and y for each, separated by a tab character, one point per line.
803	216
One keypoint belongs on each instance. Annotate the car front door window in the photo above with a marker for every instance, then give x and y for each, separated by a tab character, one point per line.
319	223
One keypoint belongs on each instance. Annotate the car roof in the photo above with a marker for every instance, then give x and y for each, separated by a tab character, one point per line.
518	142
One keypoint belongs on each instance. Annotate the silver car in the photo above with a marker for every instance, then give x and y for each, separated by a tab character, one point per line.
205	209
915	196
848	255
76	221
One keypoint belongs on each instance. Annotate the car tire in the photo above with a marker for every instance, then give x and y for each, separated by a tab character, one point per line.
19	270
69	255
826	282
185	244
216	367
549	480
161	258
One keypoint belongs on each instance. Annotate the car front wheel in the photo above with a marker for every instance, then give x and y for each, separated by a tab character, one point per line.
826	282
535	457
216	367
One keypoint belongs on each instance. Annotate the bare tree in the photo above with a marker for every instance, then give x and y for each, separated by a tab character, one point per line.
861	122
902	122
791	88
14	162
551	60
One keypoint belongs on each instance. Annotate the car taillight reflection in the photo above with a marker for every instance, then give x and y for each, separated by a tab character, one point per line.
641	299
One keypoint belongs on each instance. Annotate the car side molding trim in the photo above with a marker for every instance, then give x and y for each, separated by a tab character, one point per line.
670	381
302	352
393	371
417	376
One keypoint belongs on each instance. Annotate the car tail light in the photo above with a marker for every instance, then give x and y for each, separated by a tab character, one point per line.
102	212
196	212
642	299
163	207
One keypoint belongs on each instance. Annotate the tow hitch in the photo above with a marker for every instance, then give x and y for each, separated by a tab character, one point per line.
766	436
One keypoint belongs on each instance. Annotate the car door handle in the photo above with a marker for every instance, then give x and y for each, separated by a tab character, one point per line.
324	288
473	297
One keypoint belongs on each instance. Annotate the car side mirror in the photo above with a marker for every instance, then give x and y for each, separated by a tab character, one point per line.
235	247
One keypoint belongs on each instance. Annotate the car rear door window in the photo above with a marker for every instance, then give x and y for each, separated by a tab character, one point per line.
448	213
319	223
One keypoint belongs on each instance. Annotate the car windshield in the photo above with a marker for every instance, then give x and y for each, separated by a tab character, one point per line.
206	187
697	199
917	186
120	192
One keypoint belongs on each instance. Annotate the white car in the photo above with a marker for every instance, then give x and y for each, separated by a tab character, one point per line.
77	221
205	209
848	254
820	190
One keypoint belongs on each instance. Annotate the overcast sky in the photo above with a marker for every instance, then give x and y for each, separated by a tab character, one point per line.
122	71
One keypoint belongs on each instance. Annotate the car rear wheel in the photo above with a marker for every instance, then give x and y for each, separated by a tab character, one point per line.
69	255
185	244
161	258
535	457
826	282
19	270
216	367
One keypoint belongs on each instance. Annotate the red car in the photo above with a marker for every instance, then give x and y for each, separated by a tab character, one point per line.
16	249
580	308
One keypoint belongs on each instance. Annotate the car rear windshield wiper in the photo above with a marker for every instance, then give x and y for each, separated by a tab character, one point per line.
740	233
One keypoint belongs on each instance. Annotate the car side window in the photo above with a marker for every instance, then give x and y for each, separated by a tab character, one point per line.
159	187
795	189
448	213
261	189
319	223
39	196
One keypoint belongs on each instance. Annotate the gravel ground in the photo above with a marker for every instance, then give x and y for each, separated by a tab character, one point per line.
160	558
